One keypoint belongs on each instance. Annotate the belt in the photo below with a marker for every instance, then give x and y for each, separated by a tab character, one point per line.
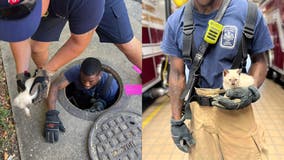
202	100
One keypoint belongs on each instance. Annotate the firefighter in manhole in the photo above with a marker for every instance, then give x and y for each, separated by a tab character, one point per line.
92	89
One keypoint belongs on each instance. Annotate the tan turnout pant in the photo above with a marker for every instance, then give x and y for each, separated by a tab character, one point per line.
225	134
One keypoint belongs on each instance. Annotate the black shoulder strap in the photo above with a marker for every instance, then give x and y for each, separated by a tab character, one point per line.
188	28
202	48
248	34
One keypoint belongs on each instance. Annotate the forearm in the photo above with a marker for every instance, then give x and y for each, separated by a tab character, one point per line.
176	87
59	83
52	97
258	69
69	51
73	47
133	51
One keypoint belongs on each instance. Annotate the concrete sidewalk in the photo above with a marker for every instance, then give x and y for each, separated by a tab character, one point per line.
73	143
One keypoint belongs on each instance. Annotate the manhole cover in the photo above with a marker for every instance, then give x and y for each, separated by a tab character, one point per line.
116	135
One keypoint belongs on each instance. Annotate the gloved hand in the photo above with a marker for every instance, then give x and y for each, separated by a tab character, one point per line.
21	79
247	95
181	135
40	84
52	126
97	105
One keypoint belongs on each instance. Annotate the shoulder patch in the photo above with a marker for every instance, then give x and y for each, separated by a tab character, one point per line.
229	37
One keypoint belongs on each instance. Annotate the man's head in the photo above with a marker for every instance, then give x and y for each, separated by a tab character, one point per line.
90	72
19	19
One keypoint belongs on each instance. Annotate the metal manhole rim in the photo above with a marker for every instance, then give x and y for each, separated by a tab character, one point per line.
75	111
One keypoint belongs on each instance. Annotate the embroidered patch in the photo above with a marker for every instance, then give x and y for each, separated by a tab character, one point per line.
229	37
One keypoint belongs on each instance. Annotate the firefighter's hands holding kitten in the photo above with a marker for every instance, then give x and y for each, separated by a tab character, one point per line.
240	90
39	85
245	96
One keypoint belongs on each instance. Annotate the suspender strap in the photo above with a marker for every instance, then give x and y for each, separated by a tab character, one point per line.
188	27
200	53
248	34
251	20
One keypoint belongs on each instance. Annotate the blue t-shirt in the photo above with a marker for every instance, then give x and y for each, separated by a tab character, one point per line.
83	15
73	75
221	55
110	3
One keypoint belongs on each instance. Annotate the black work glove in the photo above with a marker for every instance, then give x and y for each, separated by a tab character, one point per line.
97	105
21	79
246	95
40	85
181	135
52	126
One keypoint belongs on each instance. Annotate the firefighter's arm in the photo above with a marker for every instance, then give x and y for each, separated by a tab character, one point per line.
72	48
53	124
176	86
180	133
258	68
59	83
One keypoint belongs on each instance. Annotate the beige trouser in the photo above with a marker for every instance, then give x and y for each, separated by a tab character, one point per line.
224	134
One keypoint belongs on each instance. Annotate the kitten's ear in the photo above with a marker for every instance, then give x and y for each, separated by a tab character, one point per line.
225	72
239	71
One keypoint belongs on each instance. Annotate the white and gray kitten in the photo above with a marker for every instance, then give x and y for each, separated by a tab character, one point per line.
24	98
233	78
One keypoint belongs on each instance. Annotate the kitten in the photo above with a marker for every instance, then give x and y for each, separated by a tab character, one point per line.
233	78
25	98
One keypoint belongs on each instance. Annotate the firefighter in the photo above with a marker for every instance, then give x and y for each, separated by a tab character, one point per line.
93	87
227	130
108	18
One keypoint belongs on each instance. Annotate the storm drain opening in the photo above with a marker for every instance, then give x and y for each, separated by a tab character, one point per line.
81	108
85	103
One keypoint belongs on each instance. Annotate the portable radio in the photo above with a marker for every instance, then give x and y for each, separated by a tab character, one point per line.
213	32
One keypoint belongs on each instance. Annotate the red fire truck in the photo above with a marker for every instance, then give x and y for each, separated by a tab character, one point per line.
155	64
273	11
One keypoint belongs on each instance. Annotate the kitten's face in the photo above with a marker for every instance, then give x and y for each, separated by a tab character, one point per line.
232	77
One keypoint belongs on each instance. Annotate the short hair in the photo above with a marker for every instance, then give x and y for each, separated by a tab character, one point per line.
91	66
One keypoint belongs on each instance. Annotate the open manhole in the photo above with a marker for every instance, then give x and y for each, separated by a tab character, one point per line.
116	135
66	96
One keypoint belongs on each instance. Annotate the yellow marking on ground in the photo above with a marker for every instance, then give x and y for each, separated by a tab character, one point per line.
148	119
